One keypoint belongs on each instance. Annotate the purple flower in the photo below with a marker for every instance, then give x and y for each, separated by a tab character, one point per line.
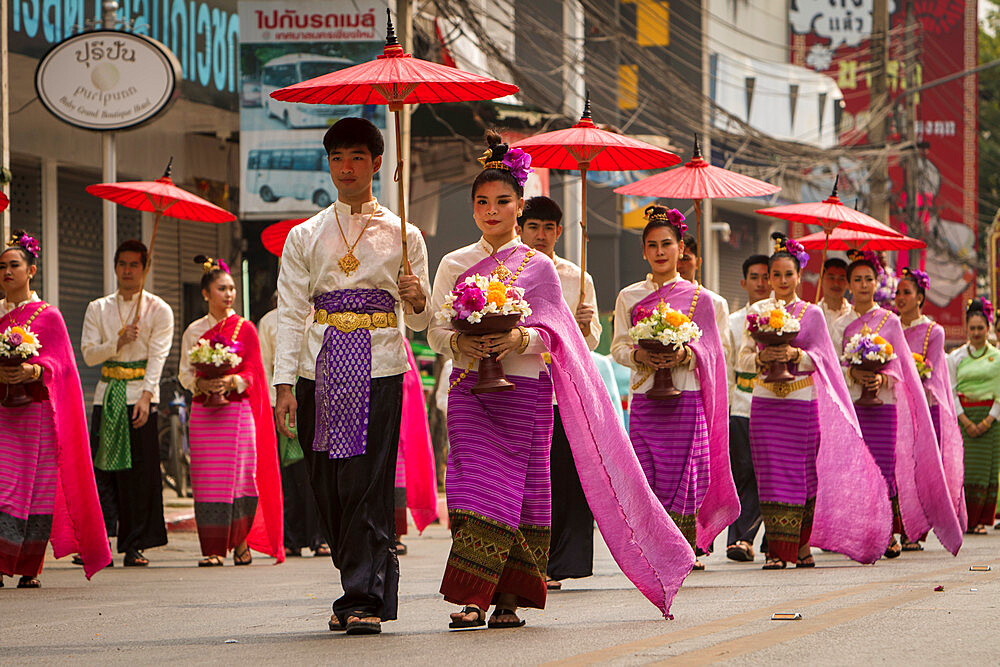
519	163
753	322
919	277
640	313
798	251
676	219
14	339
468	299
30	244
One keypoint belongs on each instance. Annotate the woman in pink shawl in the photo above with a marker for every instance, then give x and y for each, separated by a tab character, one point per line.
499	502
234	455
899	431
681	442
817	481
43	460
926	341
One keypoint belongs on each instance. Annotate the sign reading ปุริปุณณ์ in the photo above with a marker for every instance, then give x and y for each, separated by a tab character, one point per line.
107	80
284	171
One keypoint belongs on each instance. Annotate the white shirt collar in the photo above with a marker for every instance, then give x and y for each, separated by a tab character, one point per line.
212	321
118	295
7	306
485	245
366	209
652	285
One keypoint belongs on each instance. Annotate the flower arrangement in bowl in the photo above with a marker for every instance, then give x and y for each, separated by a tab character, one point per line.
480	306
924	369
870	352
214	358
17	345
770	323
659	330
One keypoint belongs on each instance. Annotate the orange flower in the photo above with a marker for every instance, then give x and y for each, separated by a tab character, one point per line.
674	318
888	349
777	319
496	294
918	358
25	336
879	340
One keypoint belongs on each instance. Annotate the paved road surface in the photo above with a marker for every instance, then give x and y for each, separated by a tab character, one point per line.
176	612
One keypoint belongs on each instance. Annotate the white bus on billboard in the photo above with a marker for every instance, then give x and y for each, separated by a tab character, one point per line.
293	68
300	173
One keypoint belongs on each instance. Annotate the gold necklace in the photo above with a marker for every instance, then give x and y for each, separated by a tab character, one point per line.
119	309
502	273
349	263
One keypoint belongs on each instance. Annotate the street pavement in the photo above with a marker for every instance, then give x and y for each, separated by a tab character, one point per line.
173	611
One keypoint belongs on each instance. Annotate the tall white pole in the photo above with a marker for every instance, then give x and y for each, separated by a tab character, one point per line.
109	174
4	114
574	94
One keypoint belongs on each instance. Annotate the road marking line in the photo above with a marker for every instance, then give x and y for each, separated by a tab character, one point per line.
736	620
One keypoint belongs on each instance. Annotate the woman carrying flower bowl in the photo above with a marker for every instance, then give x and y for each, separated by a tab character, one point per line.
234	456
926	341
683	442
898	431
498	480
44	448
974	369
816	481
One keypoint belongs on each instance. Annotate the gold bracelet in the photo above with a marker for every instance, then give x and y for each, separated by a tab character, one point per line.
36	372
453	343
524	340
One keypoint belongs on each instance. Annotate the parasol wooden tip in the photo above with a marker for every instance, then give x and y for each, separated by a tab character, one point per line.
170	167
390	30
836	182
697	147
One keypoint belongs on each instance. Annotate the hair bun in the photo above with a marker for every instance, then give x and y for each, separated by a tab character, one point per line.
493	138
778	236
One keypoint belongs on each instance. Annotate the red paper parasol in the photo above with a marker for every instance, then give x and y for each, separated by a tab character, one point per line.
698	180
161	197
849	239
830	214
273	237
586	147
4	202
395	78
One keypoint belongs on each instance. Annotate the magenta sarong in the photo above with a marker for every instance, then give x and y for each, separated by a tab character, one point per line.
925	500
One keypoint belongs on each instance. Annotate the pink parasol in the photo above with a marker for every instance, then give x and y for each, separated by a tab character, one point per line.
395	78
161	197
849	239
586	147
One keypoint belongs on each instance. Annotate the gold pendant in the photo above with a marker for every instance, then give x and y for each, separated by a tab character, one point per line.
349	263
502	273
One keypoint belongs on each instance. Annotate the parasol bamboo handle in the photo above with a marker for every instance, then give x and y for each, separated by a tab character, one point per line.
401	189
822	269
145	270
583	233
697	215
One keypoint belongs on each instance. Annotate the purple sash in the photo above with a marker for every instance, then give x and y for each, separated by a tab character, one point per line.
721	505
643	540
343	373
924	497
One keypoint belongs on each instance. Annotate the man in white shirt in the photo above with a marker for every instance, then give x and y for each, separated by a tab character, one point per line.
571	550
129	333
347	367
743	531
834	305
688	265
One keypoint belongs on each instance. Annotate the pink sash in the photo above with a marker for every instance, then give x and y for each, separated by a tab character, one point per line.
416	448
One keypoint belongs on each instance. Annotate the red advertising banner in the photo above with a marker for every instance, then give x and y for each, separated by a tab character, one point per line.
832	36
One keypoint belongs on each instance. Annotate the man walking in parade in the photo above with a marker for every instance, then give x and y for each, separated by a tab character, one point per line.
347	367
129	333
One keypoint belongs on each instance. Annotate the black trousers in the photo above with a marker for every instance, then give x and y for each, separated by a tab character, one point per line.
748	522
132	500
354	496
571	549
302	525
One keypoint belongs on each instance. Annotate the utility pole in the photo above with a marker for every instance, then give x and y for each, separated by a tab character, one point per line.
574	93
109	172
878	107
4	115
908	130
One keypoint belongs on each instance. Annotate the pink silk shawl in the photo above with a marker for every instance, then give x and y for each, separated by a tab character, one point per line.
643	539
924	498
721	505
416	448
939	386
77	522
853	513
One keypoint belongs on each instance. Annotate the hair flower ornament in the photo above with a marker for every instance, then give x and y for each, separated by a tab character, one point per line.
868	256
987	307
796	250
519	164
919	277
28	243
663	214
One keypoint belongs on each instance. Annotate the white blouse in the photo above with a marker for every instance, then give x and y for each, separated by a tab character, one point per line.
192	334
746	361
527	364
887	392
